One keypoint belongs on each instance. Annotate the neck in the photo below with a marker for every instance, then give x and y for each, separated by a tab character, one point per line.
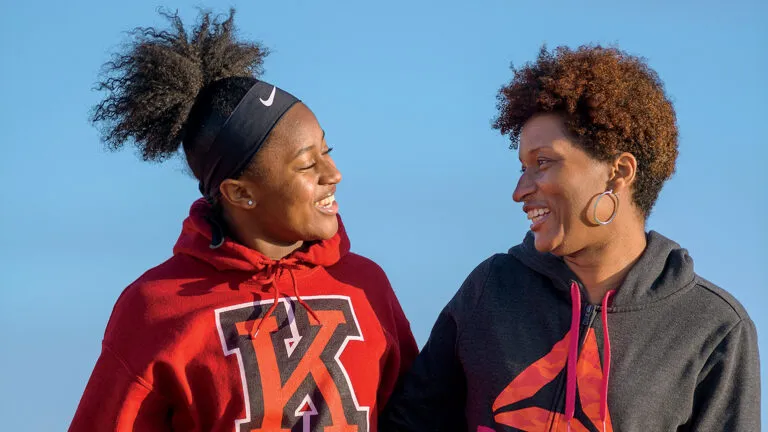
271	250
250	236
603	267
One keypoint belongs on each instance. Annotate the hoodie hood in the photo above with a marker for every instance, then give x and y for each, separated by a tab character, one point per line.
196	235
663	269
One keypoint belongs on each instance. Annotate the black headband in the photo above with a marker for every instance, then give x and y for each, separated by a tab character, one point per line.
242	135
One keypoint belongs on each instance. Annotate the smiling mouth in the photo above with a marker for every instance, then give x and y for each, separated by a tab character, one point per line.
326	203
537	215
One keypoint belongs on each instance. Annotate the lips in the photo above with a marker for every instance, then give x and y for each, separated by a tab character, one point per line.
327	205
326	202
537	216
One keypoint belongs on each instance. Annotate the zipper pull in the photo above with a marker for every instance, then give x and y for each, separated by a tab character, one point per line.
587	314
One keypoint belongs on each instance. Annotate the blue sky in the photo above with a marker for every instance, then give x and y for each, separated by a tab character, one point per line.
406	93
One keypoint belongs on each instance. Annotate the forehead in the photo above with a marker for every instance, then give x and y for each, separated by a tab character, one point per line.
297	129
542	131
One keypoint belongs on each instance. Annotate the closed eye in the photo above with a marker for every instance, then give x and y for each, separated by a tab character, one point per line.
309	167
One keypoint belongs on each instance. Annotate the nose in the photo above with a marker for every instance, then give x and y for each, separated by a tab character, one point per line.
330	174
525	186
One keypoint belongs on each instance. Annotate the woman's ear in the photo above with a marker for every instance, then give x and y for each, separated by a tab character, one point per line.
239	193
623	173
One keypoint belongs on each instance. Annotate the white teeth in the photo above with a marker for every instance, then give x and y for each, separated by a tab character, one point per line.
537	214
326	202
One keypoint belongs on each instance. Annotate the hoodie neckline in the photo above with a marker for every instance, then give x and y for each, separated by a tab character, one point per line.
196	235
664	269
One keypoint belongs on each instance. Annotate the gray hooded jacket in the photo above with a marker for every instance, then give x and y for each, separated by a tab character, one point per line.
683	352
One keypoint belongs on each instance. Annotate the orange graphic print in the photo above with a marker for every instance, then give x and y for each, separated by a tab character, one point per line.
310	364
291	372
542	372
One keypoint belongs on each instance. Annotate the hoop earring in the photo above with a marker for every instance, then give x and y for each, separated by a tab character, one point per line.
615	198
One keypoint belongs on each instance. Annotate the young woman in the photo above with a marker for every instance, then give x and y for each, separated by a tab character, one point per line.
262	320
592	323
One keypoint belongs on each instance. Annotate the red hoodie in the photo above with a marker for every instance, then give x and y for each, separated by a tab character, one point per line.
226	339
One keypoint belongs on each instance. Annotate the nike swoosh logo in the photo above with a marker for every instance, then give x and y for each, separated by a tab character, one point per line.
271	98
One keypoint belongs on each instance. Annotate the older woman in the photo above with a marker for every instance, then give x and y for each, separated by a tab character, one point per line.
592	323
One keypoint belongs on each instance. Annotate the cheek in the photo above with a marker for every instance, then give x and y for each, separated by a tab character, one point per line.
568	189
283	200
557	189
568	197
300	195
581	198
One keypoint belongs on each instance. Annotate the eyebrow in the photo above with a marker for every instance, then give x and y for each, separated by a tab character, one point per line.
533	150
307	148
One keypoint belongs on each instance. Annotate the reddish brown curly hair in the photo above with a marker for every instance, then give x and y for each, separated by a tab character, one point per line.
611	102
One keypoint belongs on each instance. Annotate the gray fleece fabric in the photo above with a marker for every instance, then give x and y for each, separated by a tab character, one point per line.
684	352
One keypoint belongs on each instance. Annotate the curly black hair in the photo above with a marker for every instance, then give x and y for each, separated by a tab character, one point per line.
173	86
612	102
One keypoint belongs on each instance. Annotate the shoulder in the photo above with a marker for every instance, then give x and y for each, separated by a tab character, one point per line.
153	294
485	276
359	271
500	267
359	261
718	302
362	273
148	315
159	280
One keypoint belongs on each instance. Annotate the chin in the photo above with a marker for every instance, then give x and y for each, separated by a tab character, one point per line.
326	230
547	243
542	246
